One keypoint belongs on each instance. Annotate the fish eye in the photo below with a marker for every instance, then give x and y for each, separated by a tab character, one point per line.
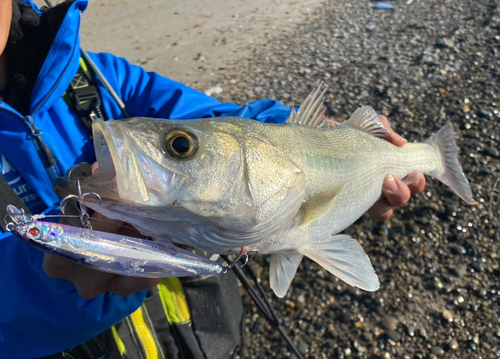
181	144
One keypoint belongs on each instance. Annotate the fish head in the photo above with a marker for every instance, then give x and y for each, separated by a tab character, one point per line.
190	172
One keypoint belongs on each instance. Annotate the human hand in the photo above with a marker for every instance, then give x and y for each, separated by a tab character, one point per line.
90	282
396	192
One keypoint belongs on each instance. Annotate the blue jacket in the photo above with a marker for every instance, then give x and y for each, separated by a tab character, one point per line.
39	315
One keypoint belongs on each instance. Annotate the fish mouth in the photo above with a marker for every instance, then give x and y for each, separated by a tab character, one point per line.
119	176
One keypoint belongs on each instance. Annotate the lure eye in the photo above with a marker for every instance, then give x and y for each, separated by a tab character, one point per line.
181	144
33	233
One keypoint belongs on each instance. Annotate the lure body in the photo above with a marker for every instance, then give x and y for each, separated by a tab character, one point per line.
109	252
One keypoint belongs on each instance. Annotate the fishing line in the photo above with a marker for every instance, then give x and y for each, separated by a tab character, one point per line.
258	296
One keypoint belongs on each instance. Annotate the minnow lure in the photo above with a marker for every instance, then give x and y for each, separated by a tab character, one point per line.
109	252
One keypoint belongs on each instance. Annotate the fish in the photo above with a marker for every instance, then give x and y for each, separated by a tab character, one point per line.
109	252
236	186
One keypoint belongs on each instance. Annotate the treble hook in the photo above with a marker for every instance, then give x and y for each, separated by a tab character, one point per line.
84	216
246	258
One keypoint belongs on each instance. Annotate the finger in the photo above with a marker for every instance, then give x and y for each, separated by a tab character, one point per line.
393	137
395	191
57	268
102	223
124	286
88	282
381	210
94	166
417	187
332	123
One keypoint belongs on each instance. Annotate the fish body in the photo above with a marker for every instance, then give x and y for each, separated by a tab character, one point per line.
232	185
109	252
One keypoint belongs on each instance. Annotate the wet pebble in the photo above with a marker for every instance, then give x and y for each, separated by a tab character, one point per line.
437	350
447	315
477	266
457	249
389	323
303	347
453	344
491	151
393	335
483	113
460	270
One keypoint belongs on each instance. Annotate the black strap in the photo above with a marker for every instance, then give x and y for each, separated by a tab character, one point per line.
8	196
83	96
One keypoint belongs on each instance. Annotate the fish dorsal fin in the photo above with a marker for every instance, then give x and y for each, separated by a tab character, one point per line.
312	111
366	119
320	204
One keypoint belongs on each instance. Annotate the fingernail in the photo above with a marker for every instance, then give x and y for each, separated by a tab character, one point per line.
417	177
400	138
390	184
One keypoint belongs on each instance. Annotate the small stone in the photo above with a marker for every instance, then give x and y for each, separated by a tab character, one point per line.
359	325
258	90
458	249
437	350
389	323
447	315
393	335
477	266
453	344
491	151
423	333
460	270
442	91
437	283
482	292
303	347
434	206
483	113
411	330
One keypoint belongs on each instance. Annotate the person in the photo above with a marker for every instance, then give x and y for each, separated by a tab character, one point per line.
47	304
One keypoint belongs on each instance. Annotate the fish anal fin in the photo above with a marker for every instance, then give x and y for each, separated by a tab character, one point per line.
366	119
344	257
282	270
320	204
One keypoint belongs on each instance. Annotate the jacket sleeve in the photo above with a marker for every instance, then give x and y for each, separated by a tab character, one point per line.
151	95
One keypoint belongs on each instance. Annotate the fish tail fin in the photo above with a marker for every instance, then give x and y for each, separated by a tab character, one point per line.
344	257
453	175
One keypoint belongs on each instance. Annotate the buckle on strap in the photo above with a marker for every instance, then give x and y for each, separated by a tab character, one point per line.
86	98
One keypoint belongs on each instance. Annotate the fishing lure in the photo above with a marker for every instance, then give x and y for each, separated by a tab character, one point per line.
109	252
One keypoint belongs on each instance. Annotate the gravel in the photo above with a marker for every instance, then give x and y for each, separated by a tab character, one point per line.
437	259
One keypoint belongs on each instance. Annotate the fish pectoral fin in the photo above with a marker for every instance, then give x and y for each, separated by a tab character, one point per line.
344	257
320	204
282	270
366	119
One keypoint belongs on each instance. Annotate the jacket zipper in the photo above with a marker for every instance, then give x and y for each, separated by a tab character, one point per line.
48	158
